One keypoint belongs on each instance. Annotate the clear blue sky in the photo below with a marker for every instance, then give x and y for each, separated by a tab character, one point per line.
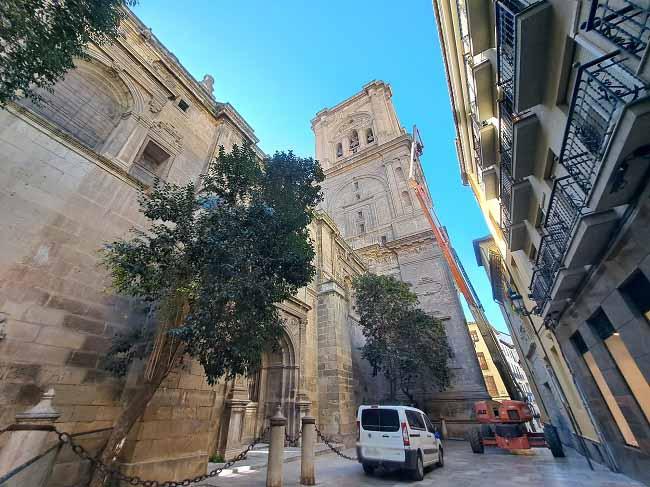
278	63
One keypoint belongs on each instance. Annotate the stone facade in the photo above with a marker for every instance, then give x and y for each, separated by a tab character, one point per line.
365	154
70	173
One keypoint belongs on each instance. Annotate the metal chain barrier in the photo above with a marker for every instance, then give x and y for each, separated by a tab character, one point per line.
135	480
328	443
293	441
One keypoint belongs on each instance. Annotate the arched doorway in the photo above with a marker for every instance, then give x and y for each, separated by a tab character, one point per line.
279	378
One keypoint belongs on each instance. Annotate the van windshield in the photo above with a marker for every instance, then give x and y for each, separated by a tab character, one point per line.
380	420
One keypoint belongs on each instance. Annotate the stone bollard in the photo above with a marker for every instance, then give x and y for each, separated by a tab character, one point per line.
22	446
307	476
443	428
276	450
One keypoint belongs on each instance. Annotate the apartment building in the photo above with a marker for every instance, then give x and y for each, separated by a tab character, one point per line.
551	105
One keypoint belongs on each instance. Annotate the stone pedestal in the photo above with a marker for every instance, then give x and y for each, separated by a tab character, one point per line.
22	446
276	450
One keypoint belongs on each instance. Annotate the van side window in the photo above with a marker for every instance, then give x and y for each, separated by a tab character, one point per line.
415	420
430	427
380	420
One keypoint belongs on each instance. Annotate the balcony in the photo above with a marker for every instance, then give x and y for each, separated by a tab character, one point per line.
600	129
490	183
522	35
480	25
483	84
565	209
625	23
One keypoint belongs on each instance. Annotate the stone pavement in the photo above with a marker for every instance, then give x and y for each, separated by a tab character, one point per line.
462	468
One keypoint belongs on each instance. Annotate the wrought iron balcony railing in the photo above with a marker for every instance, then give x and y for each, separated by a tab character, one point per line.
565	209
603	88
497	277
626	23
506	27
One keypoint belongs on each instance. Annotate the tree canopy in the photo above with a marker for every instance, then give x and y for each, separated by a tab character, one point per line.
405	344
40	38
229	249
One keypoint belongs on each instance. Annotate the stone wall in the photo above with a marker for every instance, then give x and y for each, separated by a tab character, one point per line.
64	193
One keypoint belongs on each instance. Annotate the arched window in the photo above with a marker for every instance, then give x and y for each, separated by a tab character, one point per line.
87	103
354	141
370	137
339	150
400	173
406	199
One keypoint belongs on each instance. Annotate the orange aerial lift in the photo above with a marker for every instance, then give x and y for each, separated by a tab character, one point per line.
463	284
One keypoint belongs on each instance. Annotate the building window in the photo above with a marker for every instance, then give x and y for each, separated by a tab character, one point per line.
400	173
370	137
406	199
183	105
354	141
356	185
362	228
383	240
624	361
153	159
481	360
637	292
605	391
474	335
339	150
358	196
491	386
360	214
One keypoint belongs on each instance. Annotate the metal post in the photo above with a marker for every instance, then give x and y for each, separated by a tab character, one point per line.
22	446
276	450
307	476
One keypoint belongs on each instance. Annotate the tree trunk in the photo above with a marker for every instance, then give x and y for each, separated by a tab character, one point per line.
132	412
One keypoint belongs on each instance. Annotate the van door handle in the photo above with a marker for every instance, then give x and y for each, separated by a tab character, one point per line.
385	436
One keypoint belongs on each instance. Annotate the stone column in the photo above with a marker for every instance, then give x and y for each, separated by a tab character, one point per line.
307	476
22	446
237	403
276	450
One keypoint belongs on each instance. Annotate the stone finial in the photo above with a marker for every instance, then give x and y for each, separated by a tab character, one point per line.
208	84
278	418
43	411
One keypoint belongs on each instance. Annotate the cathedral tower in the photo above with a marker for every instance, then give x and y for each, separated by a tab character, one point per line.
364	152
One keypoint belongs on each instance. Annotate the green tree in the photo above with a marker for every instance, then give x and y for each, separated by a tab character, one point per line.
403	342
40	38
213	263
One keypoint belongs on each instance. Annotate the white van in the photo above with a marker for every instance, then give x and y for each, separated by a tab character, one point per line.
397	437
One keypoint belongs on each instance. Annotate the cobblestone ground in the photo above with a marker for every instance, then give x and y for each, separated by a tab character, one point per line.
462	469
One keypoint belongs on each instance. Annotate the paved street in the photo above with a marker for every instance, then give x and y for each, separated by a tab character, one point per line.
462	469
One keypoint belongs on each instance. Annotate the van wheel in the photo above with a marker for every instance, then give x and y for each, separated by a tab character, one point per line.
418	473
368	469
441	458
